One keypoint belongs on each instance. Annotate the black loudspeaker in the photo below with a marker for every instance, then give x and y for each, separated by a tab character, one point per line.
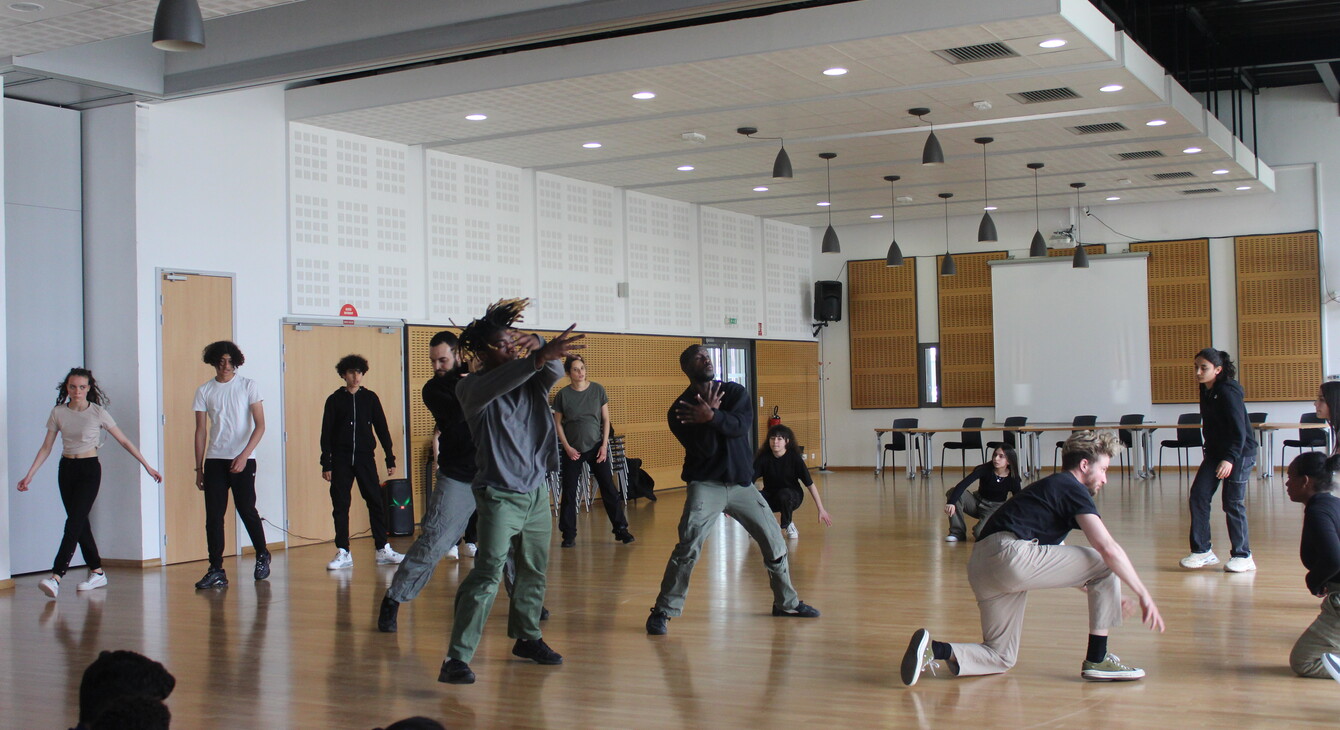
399	507
828	301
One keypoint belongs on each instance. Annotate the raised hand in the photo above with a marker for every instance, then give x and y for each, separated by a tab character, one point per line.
559	347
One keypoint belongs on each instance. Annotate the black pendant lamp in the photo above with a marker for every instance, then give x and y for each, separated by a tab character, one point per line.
947	267
781	167
1081	258
931	154
178	26
895	254
1039	245
986	230
830	244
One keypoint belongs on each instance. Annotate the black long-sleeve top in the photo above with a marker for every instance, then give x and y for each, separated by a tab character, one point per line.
1320	547
787	471
1223	418
348	424
719	449
455	446
990	487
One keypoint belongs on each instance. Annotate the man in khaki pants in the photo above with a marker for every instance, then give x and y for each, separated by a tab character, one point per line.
1022	548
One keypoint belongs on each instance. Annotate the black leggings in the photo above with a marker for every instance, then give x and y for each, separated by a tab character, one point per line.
79	480
571	473
784	501
218	482
346	469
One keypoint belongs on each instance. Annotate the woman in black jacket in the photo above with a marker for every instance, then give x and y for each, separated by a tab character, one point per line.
1230	453
1311	483
997	480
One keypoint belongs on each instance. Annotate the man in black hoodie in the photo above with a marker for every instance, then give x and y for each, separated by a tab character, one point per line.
352	415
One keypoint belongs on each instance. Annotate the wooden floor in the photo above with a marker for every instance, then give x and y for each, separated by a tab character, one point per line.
302	649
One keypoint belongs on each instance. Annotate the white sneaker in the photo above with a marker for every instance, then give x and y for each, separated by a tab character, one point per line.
388	556
95	580
471	549
342	560
1331	662
792	532
50	586
454	553
1240	565
1200	560
951	538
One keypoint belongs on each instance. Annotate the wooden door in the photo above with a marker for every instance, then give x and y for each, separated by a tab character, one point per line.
310	354
197	310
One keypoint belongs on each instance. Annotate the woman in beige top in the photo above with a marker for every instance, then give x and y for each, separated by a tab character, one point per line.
79	417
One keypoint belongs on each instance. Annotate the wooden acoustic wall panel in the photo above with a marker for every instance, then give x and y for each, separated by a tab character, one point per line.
882	306
1093	249
1279	316
1179	315
788	379
967	351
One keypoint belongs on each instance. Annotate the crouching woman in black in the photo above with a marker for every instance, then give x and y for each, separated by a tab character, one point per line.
997	480
782	470
1311	483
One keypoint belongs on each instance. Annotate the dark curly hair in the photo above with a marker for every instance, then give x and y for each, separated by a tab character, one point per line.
214	352
784	432
351	362
500	317
95	394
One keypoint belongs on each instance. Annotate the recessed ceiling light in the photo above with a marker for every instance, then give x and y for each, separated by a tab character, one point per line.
835	71
1244	187
877	216
990	207
1111	88
1156	122
1113	197
824	204
592	145
26	7
644	95
1052	43
761	189
1191	150
1219	172
476	117
684	168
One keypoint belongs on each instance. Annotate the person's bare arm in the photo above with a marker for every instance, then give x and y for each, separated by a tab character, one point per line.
201	437
258	418
130	449
42	454
1115	557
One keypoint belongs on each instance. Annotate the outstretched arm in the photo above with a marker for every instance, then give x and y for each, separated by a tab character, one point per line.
1115	557
42	453
130	449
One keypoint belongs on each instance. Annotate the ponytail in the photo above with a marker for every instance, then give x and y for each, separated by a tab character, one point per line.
1219	359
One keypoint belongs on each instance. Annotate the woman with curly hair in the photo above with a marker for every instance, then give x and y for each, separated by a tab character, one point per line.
79	417
780	466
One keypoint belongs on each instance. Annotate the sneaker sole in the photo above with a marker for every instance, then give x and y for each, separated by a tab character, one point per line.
1194	566
916	649
449	679
1331	664
46	589
82	587
1248	569
1094	675
545	661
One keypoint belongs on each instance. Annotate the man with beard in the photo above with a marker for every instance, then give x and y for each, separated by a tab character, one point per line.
712	420
1022	548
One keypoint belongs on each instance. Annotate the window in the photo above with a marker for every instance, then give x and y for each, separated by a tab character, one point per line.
928	373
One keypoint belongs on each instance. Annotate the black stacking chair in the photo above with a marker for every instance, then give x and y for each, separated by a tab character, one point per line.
898	442
1079	423
1011	423
1126	435
1188	437
1308	438
968	440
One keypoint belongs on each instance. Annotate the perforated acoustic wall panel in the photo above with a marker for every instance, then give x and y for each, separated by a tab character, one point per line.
882	303
579	230
967	348
732	278
788	379
421	424
1093	249
663	268
1179	315
1279	316
787	279
355	228
481	239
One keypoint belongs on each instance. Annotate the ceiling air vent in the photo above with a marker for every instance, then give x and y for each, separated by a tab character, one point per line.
1103	128
1172	175
1144	155
1044	95
1199	191
972	54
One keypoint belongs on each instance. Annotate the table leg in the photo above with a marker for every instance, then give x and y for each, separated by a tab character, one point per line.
879	452
911	440
1147	453
928	441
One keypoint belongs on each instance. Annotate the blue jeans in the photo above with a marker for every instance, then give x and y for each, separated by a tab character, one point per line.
1203	488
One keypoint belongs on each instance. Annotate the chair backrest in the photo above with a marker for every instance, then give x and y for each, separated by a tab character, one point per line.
1124	434
1012	422
972	439
898	440
1085	421
1257	417
1312	436
1189	437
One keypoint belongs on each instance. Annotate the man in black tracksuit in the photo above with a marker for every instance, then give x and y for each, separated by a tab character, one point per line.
353	413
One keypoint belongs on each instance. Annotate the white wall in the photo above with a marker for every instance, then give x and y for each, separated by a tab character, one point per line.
5	571
1298	126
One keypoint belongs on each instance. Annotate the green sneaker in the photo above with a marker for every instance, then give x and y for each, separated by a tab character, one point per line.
918	657
1110	670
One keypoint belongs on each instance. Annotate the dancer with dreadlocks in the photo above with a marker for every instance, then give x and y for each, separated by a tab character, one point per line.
506	404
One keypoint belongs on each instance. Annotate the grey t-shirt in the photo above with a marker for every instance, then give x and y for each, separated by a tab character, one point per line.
581	414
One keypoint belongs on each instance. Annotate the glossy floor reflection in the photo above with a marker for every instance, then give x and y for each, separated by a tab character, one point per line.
302	650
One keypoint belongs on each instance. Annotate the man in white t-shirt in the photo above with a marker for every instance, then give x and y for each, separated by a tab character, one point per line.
230	420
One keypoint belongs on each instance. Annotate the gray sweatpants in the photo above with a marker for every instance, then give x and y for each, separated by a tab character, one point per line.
704	503
1003	569
1321	637
444	519
972	505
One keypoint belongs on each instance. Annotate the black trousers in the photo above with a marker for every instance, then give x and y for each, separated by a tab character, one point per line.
218	482
571	473
472	531
784	501
347	469
79	480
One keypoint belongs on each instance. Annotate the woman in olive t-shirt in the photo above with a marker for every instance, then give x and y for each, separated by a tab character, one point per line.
582	414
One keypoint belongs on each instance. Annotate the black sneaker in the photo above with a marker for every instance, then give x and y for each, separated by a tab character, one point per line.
656	622
802	610
624	536
544	613
537	651
455	671
568	542
214	578
262	567
386	617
